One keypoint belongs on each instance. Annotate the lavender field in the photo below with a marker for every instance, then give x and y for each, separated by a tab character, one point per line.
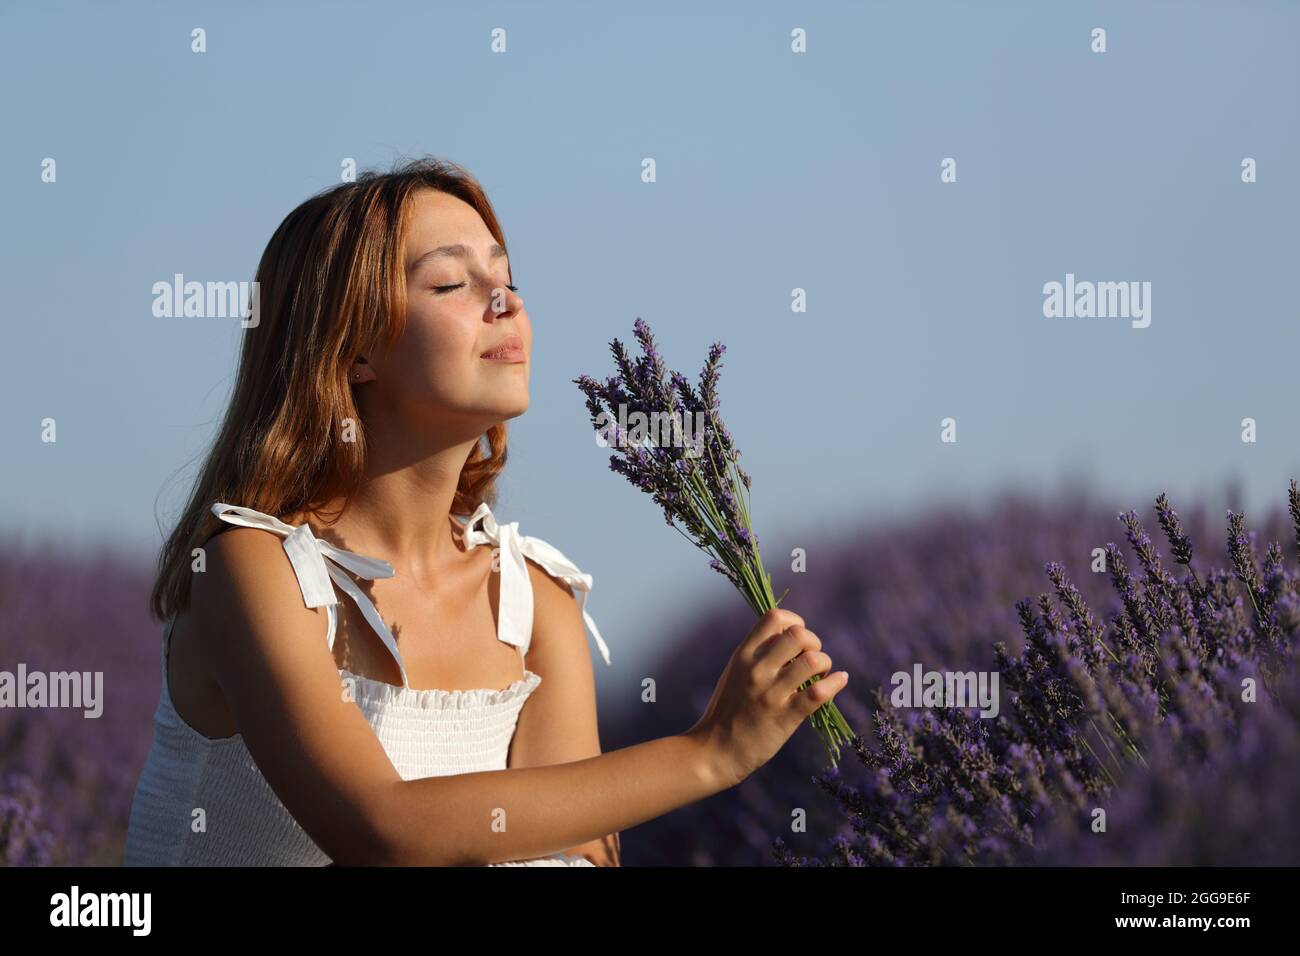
1123	695
1205	780
65	779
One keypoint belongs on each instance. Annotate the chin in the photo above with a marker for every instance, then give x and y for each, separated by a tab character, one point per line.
513	411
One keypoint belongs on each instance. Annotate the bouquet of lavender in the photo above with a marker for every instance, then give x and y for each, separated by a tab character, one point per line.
679	452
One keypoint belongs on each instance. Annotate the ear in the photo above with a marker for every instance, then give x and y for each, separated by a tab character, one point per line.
361	372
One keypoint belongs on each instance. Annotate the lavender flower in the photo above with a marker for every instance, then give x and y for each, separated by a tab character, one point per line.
1146	706
1156	733
24	839
67	782
693	473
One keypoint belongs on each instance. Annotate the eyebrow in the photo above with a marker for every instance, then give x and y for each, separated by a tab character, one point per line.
459	250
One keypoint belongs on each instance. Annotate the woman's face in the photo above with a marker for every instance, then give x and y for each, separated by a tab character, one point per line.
458	307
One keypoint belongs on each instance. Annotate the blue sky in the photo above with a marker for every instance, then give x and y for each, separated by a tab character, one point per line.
775	171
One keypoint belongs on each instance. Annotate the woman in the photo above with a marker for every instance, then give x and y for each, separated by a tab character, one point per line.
390	347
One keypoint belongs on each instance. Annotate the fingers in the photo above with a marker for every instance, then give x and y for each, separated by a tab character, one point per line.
767	627
819	692
796	673
783	655
783	648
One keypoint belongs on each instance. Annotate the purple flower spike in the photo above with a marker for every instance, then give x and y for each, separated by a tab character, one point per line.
676	448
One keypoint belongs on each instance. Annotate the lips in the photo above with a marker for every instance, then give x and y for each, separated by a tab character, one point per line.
511	345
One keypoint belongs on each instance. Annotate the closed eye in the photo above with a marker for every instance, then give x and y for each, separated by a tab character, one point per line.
440	289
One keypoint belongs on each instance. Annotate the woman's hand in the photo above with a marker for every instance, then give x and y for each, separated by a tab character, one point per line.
757	704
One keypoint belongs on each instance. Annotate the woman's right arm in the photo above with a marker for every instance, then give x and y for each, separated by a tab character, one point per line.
267	652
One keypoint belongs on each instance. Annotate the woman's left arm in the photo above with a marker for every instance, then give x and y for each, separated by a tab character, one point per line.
558	723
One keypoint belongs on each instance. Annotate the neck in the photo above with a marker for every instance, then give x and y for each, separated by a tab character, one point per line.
402	511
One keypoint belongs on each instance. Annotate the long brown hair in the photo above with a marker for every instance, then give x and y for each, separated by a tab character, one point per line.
332	288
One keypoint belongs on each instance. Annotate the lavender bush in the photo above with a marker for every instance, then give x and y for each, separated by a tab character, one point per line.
66	780
24	838
1146	708
1235	809
942	588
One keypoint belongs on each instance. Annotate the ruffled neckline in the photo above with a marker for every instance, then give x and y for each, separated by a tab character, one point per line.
436	698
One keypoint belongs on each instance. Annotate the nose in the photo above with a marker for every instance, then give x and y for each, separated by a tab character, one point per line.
502	301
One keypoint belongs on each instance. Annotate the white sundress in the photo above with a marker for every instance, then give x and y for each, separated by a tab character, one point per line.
426	733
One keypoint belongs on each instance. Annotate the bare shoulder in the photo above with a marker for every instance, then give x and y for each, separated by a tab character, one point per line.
549	588
241	564
555	607
247	579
